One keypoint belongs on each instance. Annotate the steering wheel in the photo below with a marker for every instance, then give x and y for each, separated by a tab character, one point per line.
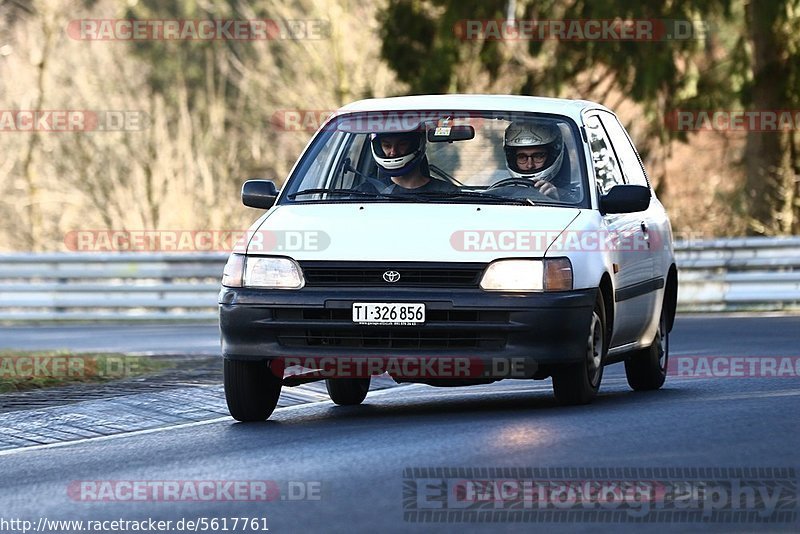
524	182
536	194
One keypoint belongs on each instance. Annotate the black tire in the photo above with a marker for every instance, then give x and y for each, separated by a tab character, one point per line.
347	391
646	369
578	383
251	390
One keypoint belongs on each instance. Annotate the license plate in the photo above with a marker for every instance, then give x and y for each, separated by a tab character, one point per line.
388	313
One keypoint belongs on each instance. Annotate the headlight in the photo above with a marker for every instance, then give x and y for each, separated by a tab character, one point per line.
528	275
233	272
272	273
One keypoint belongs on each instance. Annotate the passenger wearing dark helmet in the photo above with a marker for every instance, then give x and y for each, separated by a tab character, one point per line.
401	156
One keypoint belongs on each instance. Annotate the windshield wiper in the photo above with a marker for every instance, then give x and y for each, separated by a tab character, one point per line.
438	170
347	192
473	194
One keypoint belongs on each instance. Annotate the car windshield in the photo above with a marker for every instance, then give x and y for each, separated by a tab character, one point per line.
442	157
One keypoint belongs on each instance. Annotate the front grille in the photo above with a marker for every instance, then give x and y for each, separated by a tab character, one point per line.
431	316
370	274
444	329
389	338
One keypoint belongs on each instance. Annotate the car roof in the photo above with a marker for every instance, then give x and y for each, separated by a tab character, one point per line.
464	102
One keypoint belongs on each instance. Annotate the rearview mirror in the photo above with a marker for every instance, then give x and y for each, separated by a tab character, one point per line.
259	194
442	134
625	199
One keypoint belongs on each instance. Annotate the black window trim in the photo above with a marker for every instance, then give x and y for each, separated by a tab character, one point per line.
630	142
595	113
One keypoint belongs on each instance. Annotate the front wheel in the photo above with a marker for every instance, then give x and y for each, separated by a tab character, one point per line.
251	389
347	391
578	383
646	369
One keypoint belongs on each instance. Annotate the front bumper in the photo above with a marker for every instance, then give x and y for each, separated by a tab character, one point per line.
541	328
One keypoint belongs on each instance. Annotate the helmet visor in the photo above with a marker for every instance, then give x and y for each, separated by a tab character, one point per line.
396	145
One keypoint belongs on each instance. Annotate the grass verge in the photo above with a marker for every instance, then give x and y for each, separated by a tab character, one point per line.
25	370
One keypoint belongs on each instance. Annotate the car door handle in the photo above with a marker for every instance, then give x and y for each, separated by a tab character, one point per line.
645	233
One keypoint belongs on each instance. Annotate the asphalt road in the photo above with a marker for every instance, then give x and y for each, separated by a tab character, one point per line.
353	461
140	338
697	334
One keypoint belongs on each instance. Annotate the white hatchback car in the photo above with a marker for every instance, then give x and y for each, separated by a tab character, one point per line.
451	240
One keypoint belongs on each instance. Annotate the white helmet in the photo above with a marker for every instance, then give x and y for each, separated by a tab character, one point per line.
403	163
534	134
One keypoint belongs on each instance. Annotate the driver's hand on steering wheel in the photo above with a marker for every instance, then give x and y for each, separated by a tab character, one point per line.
546	188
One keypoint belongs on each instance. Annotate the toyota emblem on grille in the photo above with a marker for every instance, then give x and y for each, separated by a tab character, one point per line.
391	276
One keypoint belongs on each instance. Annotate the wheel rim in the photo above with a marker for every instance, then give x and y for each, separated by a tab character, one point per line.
594	352
663	343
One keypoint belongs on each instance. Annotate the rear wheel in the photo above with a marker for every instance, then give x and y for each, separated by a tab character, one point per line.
578	383
347	391
251	389
646	369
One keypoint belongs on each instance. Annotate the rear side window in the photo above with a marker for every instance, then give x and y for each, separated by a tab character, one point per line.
628	157
606	167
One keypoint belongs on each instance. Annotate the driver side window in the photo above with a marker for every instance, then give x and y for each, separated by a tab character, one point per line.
606	167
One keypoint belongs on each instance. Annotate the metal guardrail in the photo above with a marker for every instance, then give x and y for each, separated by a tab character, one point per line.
129	286
732	274
715	275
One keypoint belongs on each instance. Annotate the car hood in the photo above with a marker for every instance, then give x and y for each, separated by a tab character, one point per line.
409	232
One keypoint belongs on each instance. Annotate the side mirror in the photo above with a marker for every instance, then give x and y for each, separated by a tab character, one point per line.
259	194
625	199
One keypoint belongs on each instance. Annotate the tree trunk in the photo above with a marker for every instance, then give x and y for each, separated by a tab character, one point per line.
770	183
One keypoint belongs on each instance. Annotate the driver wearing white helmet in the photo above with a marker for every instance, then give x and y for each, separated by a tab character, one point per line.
534	151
